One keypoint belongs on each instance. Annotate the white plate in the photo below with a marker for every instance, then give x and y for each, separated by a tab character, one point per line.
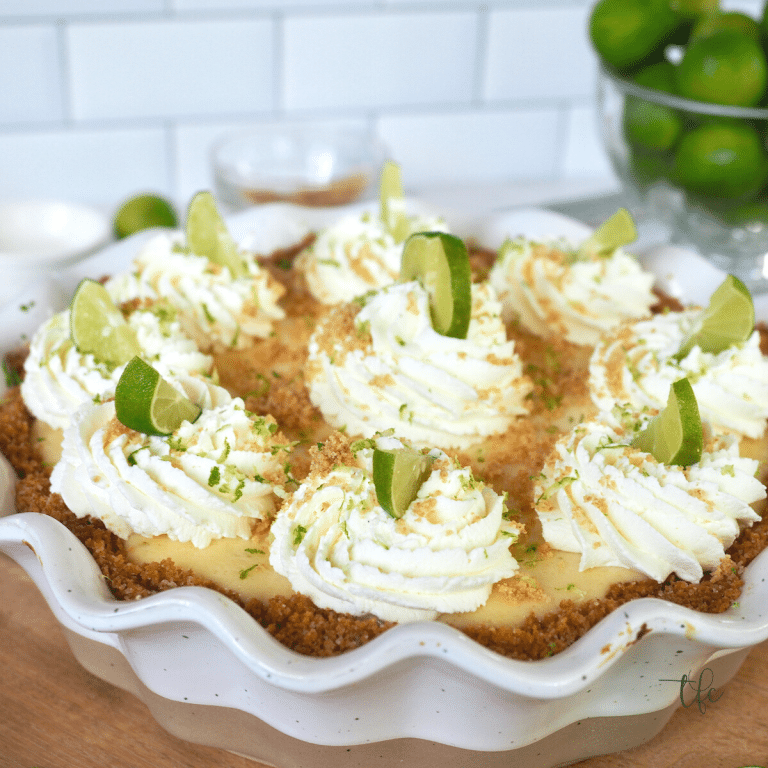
422	693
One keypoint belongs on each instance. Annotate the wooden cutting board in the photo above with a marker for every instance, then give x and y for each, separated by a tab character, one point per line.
54	714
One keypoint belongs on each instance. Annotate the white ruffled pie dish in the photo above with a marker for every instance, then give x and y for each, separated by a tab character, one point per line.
421	694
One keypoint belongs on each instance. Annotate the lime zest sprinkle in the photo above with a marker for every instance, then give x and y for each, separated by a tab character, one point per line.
245	571
299	532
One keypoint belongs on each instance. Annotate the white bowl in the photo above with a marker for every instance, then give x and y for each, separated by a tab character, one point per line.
421	694
42	236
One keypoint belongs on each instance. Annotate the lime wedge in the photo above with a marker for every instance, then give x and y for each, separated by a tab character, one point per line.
97	327
143	212
207	235
440	262
613	233
397	476
675	435
729	319
146	402
392	202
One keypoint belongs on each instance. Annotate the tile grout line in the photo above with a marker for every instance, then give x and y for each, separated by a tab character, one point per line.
66	82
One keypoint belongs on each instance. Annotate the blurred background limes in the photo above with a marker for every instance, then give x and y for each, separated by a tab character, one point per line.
728	66
689	137
143	211
625	32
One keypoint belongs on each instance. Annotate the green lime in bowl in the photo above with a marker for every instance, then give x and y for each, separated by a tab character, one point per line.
699	168
685	125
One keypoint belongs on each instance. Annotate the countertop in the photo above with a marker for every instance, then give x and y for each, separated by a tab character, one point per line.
54	714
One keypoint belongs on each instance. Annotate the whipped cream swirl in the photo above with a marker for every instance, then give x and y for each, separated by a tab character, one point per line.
356	255
211	479
618	506
635	367
58	379
216	309
552	291
385	366
336	545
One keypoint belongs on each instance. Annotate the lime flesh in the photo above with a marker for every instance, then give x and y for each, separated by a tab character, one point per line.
207	235
97	326
729	319
392	202
674	436
613	233
440	262
397	476
146	402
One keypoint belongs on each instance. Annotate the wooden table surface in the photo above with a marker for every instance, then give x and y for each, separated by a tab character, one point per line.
54	714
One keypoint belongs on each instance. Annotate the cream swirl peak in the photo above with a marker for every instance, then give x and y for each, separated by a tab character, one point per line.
382	364
618	506
355	255
554	290
335	543
215	478
635	367
217	310
58	379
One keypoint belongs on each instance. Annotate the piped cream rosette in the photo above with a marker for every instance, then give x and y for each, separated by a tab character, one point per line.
217	310
385	366
212	478
555	293
58	379
355	255
618	506
336	544
634	368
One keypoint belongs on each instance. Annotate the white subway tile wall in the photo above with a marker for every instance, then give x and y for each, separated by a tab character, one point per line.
101	99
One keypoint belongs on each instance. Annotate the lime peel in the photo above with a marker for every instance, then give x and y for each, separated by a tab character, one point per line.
97	327
440	262
147	403
398	473
675	435
728	319
143	212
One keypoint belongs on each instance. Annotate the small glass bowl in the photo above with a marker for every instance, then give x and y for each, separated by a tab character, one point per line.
306	163
727	226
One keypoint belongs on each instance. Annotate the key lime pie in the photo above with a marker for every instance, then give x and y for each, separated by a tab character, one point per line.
421	450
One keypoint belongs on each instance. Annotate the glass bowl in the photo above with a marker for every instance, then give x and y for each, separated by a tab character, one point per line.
304	163
709	182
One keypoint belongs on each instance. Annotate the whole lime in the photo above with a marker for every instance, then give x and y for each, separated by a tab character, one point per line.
648	125
648	168
727	67
624	32
660	76
751	215
734	20
143	212
721	160
693	9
